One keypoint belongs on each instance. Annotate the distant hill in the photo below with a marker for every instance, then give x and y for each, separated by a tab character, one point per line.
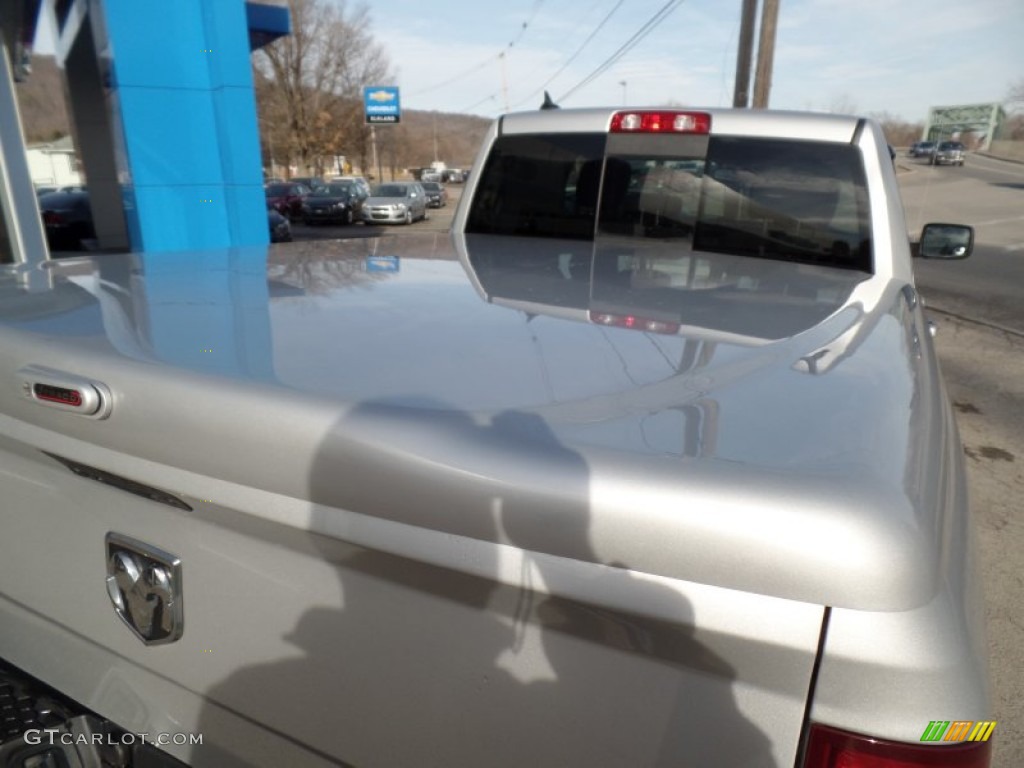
458	137
44	116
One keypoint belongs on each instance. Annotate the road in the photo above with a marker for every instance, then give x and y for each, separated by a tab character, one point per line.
981	350
989	195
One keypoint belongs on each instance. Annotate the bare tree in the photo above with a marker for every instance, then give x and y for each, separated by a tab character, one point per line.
309	84
1015	97
1013	128
898	132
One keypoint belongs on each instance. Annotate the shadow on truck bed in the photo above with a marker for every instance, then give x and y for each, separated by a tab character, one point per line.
430	665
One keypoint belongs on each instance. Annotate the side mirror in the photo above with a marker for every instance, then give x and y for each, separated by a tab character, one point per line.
946	241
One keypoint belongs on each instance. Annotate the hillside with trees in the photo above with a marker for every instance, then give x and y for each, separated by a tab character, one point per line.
309	93
41	102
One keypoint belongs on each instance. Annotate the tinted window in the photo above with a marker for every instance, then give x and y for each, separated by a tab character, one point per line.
334	190
786	200
391	190
652	185
64	201
771	198
544	186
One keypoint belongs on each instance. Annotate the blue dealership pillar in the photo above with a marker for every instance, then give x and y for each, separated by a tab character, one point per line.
177	81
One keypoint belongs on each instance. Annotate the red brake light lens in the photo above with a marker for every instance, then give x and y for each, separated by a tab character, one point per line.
54	394
832	748
633	322
661	122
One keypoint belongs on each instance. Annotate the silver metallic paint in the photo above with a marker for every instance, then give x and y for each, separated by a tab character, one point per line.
446	506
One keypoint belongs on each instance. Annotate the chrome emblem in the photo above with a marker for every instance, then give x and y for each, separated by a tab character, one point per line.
144	584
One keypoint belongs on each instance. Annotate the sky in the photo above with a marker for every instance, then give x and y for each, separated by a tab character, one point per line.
892	57
898	57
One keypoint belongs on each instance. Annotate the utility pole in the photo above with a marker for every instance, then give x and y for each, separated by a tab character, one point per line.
435	137
745	55
376	157
766	53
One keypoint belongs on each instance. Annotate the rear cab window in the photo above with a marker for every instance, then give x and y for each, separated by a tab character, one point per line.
785	200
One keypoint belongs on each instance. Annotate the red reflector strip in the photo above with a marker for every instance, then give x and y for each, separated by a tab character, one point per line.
60	395
661	122
832	748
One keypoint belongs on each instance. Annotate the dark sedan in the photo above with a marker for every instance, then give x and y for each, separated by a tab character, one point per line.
922	149
338	203
286	198
437	195
67	218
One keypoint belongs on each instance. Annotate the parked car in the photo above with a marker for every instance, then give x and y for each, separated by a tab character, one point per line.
361	184
948	153
67	218
397	202
280	227
286	198
922	149
339	202
437	195
310	181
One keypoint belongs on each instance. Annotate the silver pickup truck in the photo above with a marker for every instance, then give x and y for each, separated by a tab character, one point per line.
649	463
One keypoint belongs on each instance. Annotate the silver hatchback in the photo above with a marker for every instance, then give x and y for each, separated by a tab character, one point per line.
396	202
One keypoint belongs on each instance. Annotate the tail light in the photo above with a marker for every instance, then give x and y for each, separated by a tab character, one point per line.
634	322
833	748
52	218
661	122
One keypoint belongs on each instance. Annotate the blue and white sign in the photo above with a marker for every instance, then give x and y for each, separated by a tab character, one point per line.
382	264
382	105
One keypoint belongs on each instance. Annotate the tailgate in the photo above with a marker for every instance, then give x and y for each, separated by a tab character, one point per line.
317	629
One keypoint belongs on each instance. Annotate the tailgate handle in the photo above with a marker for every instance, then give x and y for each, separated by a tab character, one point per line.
65	391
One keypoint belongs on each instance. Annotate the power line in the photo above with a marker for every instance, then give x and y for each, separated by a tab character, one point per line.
522	31
455	78
578	51
476	67
575	54
649	26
